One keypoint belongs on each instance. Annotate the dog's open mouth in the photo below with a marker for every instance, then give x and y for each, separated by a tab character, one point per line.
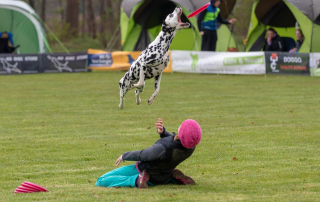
179	19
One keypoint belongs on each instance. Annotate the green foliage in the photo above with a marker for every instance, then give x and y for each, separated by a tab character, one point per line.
63	131
59	29
77	45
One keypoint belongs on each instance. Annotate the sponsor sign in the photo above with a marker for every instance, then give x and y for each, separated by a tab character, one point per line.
315	64
100	60
287	63
19	64
73	62
218	62
119	60
38	63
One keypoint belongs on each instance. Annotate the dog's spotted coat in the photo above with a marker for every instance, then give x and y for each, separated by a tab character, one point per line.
153	60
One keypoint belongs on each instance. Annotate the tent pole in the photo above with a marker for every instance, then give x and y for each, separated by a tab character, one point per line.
231	28
194	37
311	65
312	25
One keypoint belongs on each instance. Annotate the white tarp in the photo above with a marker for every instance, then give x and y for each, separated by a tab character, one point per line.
218	62
315	64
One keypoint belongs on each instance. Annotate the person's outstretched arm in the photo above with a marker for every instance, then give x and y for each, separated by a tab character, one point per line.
223	21
155	152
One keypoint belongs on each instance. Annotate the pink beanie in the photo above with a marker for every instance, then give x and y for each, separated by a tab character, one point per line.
190	133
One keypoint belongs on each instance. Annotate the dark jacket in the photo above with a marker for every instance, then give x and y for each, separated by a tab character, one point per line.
299	44
161	158
201	17
276	44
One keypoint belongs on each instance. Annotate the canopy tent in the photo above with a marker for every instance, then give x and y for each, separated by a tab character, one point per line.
141	22
285	16
18	18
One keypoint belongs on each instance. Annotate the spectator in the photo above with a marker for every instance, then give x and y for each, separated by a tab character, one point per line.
207	24
300	39
6	43
273	41
156	164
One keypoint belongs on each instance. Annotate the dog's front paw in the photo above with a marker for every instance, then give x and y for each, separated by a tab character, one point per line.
121	106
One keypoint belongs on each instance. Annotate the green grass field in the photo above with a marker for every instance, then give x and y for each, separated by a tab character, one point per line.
63	131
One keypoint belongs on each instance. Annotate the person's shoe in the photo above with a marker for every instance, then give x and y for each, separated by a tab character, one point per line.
143	180
181	178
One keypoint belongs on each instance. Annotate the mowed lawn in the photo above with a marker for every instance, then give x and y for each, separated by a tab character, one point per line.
63	131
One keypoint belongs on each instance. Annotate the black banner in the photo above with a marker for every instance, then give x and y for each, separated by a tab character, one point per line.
42	63
73	62
19	64
287	63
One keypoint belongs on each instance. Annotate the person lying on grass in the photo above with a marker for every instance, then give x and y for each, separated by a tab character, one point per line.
156	165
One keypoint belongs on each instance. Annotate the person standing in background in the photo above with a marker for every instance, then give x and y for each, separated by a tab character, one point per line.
208	25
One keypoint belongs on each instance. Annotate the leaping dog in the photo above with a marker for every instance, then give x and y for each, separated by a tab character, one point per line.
153	60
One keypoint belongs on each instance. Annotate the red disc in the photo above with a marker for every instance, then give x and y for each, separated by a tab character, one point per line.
34	186
199	10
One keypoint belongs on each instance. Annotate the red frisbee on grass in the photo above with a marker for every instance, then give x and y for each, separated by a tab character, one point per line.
199	10
29	187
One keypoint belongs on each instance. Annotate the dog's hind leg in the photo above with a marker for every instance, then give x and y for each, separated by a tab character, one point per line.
123	86
121	98
140	83
138	91
157	80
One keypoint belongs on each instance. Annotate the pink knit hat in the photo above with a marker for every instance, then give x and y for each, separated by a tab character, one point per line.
189	133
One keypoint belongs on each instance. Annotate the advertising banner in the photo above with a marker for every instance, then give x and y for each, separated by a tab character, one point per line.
63	62
38	63
102	60
19	64
287	63
119	60
315	64
218	62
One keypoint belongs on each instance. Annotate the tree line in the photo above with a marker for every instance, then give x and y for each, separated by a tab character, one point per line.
98	19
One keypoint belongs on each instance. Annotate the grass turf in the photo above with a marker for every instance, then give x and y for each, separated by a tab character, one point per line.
63	131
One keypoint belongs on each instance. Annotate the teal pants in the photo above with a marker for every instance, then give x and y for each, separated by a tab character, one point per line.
121	177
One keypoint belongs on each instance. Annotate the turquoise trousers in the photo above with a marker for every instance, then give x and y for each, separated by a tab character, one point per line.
121	177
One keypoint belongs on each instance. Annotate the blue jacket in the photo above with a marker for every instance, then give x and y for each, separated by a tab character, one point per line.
218	19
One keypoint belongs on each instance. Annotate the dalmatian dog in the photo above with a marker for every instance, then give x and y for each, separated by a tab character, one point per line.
153	60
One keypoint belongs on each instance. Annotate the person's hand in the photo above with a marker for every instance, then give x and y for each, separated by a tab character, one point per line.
202	33
232	21
159	126
269	39
118	161
293	50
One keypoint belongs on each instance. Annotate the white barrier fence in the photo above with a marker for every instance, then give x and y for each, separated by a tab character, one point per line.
315	64
218	62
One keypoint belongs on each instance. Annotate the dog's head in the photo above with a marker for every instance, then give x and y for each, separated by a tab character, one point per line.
173	21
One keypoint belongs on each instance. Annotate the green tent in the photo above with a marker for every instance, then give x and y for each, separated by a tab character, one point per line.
141	22
23	22
285	16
